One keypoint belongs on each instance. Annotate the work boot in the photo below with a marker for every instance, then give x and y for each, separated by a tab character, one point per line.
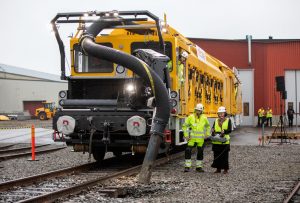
200	170
225	171
186	169
218	170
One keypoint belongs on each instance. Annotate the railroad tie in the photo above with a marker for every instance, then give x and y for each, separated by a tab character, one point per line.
113	192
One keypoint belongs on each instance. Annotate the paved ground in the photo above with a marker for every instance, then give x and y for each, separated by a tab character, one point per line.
20	131
250	135
42	136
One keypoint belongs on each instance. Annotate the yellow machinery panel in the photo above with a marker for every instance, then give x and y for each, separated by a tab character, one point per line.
206	79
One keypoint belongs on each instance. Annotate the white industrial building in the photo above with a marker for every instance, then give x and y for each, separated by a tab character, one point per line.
24	90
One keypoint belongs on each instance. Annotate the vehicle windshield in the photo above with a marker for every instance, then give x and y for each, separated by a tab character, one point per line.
90	64
49	106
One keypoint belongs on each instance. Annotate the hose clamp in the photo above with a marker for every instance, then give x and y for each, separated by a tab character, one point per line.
85	35
159	121
162	135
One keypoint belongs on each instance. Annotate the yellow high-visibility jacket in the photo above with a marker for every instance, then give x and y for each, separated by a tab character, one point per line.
196	127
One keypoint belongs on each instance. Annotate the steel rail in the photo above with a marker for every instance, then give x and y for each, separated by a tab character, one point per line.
6	146
51	174
11	156
37	178
293	193
20	149
52	196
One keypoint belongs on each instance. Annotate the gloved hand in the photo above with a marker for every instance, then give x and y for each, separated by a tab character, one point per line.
222	133
225	140
212	132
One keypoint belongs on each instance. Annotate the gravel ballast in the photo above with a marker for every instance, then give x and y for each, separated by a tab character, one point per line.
257	174
21	167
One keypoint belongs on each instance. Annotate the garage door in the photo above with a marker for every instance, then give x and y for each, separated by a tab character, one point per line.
292	86
30	106
246	76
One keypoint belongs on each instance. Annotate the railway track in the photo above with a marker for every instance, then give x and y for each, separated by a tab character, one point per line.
61	183
294	196
6	151
6	146
17	155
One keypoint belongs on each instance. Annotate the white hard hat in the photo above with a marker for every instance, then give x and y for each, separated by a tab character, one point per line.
184	54
221	109
199	107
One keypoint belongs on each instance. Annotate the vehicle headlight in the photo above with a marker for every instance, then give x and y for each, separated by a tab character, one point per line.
130	88
61	102
173	102
120	69
62	94
173	94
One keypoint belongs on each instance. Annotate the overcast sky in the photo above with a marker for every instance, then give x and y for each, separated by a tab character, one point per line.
27	42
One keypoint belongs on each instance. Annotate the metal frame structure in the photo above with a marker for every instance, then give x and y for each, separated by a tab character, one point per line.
112	16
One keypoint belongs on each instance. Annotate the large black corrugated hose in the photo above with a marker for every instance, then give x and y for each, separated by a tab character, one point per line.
162	112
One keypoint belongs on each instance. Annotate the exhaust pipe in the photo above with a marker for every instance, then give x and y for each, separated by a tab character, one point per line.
162	110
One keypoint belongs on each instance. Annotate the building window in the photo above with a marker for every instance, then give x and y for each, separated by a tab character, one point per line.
246	108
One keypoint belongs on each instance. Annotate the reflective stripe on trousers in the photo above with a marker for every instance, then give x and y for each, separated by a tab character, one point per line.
199	163
188	163
196	134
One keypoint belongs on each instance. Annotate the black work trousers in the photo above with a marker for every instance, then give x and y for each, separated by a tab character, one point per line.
259	121
269	121
263	120
291	121
188	153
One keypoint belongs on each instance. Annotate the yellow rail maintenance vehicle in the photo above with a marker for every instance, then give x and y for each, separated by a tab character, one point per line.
46	112
110	107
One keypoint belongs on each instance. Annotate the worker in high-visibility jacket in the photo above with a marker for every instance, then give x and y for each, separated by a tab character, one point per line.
196	127
260	114
220	140
180	68
170	66
269	116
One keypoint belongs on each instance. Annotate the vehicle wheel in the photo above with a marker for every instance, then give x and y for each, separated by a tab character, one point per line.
117	154
42	116
98	154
